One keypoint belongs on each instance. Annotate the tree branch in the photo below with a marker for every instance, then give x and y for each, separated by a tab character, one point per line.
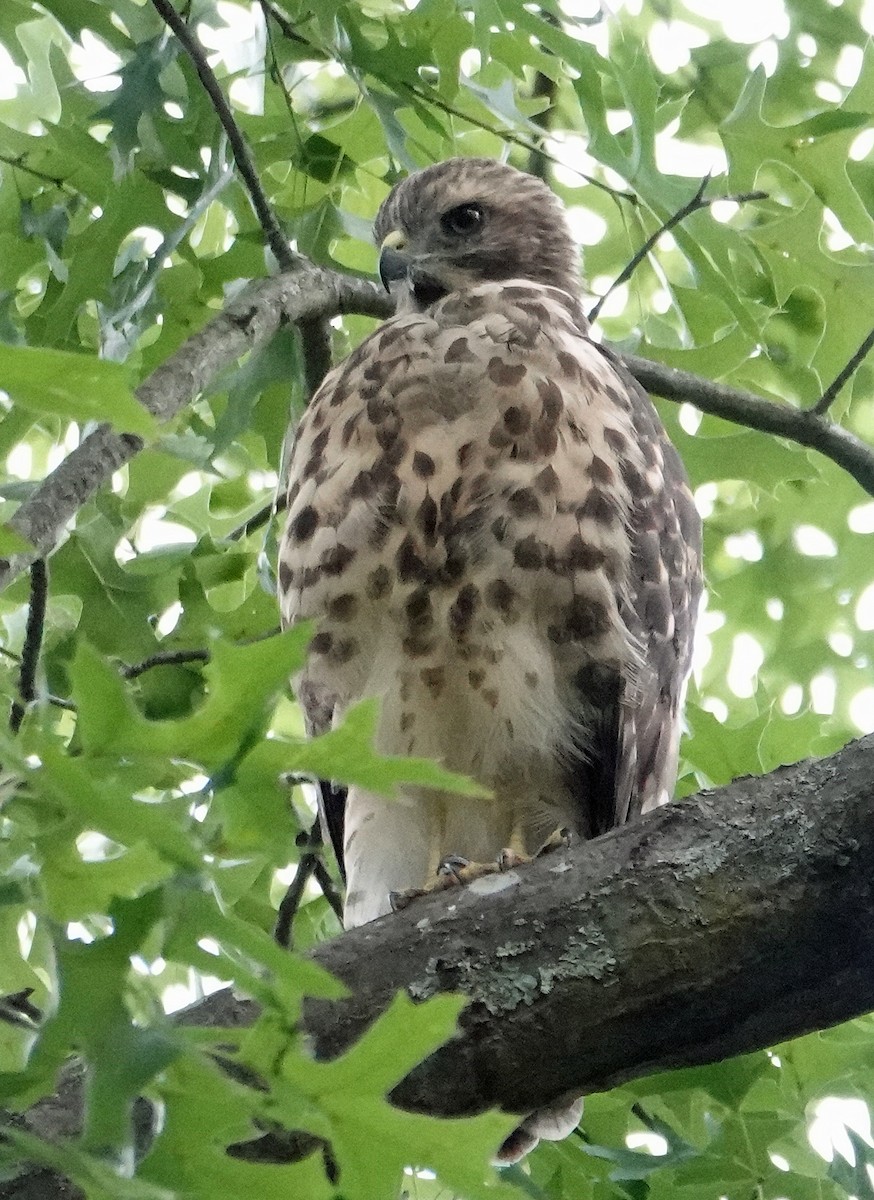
715	926
314	333
312	294
804	426
251	319
693	205
310	864
33	636
282	252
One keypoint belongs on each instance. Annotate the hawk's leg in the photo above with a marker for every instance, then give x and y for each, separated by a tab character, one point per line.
455	871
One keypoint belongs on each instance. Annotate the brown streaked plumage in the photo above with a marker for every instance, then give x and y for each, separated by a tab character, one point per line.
494	536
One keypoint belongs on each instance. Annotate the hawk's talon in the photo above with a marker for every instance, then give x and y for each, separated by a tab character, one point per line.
562	839
451	865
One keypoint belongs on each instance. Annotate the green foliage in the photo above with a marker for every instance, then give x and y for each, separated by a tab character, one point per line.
143	829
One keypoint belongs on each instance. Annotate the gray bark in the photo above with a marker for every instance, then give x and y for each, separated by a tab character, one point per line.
715	926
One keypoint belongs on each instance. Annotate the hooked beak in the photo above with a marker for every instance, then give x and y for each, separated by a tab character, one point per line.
393	263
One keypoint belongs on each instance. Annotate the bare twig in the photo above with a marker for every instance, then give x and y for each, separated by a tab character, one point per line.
16	1009
430	96
309	866
697	202
830	394
309	843
287	28
260	518
286	258
18	162
164	658
33	635
329	891
315	334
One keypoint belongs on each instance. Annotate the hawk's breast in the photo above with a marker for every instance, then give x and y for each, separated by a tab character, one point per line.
458	513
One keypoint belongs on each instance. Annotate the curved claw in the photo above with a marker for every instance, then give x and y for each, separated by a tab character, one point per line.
453	865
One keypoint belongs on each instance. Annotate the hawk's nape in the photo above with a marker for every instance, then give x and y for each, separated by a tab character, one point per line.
495	537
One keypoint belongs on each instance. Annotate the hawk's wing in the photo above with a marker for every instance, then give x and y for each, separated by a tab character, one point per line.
639	736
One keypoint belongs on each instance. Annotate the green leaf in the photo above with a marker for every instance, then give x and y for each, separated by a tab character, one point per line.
57	383
346	755
242	684
374	1141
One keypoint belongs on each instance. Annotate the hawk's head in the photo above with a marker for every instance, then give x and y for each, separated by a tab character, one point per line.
469	221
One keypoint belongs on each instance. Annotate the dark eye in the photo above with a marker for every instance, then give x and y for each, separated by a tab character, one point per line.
462	220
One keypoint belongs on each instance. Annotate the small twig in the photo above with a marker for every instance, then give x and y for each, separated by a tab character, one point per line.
329	891
17	161
315	334
429	96
830	394
177	658
286	258
16	1009
286	26
261	517
309	865
282	930
697	202
310	844
33	635
164	658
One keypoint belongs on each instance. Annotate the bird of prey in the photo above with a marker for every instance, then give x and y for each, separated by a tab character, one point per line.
493	535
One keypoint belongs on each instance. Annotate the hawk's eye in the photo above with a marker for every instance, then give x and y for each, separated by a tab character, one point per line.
462	220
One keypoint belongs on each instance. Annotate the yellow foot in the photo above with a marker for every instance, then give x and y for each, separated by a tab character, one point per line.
455	871
509	858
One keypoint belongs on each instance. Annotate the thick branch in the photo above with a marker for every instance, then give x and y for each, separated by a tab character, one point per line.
712	927
715	926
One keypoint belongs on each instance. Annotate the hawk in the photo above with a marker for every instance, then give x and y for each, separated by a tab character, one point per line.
493	535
